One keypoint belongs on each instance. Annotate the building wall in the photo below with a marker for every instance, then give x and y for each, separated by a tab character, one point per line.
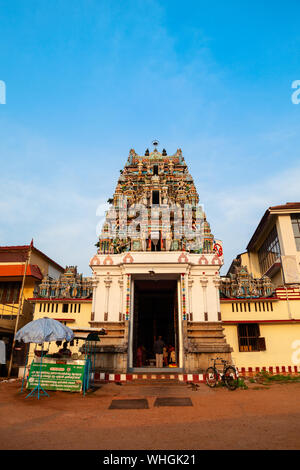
286	234
282	344
277	278
290	257
80	319
29	286
279	324
12	309
45	266
30	283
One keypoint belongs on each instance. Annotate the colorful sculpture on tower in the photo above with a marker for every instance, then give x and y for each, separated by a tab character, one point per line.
69	285
241	284
155	208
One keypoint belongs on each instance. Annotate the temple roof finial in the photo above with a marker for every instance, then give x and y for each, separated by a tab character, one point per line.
155	143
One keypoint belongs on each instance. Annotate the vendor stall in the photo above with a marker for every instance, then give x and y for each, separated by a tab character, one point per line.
57	373
60	370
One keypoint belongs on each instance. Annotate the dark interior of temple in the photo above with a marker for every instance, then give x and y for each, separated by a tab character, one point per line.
155	314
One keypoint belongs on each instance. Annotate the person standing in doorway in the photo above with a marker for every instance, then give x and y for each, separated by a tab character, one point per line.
158	351
140	354
165	356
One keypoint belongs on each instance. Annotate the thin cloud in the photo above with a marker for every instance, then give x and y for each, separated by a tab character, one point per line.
235	213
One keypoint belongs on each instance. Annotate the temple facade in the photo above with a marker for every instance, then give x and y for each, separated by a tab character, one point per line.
156	270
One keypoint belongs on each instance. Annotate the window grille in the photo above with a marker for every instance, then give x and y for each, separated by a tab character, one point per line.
269	251
249	340
296	229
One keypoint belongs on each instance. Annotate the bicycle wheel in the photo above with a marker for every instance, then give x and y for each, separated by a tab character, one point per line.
211	377
231	378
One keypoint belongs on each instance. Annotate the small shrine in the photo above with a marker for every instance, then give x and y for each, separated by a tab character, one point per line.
69	285
240	284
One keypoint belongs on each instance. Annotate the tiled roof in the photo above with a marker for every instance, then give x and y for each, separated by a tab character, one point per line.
288	205
19	253
17	270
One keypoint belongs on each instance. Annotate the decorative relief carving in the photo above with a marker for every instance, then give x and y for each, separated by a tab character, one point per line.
108	260
128	258
183	258
242	285
202	260
95	261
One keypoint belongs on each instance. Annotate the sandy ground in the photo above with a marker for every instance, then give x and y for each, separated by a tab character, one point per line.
219	419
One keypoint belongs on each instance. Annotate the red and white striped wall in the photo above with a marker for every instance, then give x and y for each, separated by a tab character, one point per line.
272	370
195	378
104	377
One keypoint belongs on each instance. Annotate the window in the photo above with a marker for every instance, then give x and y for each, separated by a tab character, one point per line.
9	292
269	251
65	308
296	229
249	340
155	197
155	170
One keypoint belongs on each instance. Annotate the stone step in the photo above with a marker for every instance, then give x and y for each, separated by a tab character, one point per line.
159	382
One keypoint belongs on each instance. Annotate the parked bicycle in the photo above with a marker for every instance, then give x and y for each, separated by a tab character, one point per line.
229	375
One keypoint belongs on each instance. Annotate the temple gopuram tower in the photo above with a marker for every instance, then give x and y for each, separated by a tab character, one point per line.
156	270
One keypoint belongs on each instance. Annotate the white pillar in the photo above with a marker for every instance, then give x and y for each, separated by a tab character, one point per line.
204	282
180	318
121	284
129	316
107	282
217	282
183	296
190	300
95	282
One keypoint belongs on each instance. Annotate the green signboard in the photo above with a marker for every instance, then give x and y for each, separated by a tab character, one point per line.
66	377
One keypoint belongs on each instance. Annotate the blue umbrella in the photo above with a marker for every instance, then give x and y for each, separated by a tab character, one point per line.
44	330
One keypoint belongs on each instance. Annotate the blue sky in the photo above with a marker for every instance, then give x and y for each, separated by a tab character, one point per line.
88	80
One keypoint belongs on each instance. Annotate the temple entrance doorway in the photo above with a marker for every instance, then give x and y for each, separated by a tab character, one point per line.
155	314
